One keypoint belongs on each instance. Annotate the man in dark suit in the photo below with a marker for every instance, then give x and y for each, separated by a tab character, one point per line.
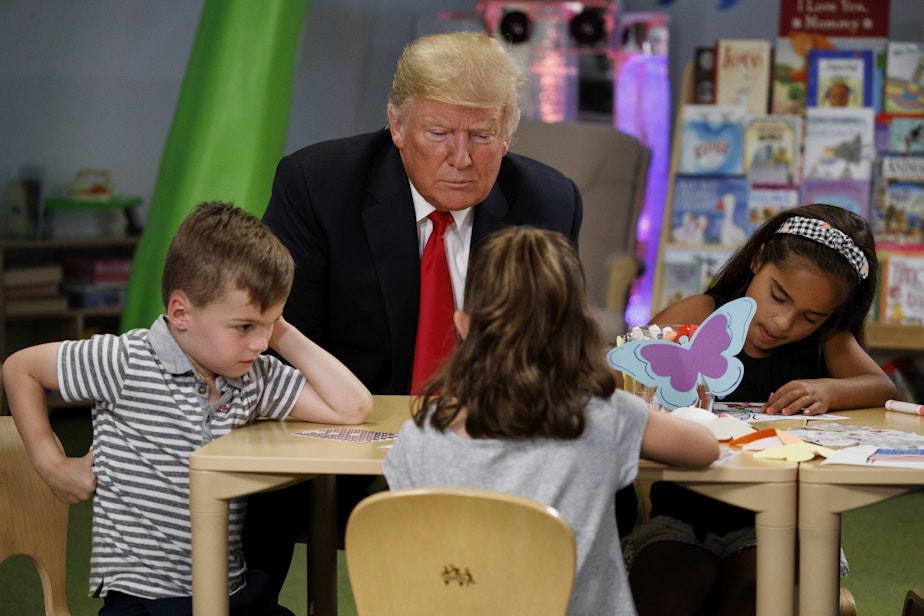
354	211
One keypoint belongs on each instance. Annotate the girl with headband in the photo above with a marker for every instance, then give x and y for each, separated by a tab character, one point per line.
812	272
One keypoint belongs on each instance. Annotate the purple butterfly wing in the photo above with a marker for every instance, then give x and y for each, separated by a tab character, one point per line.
684	363
709	343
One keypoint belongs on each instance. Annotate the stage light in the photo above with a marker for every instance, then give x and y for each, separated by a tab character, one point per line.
516	26
587	27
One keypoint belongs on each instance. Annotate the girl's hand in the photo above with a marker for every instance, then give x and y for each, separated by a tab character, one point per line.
72	481
807	396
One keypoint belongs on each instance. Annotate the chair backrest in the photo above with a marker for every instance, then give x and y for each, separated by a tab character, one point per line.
610	168
450	551
33	522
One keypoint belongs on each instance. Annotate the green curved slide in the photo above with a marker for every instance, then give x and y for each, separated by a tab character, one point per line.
228	130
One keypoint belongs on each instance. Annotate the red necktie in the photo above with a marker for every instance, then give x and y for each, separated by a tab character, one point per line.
436	334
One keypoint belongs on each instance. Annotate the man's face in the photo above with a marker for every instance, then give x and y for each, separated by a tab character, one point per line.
452	154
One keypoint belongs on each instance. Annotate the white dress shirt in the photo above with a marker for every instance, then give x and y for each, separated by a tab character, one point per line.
458	240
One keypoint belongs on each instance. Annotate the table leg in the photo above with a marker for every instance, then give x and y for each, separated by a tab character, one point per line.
820	507
209	492
322	547
208	516
774	505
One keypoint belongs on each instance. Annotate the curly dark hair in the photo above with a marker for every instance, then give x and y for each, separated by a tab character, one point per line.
768	246
534	355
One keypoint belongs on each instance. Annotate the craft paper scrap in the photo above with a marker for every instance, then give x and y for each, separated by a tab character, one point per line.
750	412
840	435
865	455
349	435
761	439
794	452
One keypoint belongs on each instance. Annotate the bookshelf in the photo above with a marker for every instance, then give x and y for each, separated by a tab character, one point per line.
51	319
879	336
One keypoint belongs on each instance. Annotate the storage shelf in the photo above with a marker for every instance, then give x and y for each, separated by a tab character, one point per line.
34	327
895	337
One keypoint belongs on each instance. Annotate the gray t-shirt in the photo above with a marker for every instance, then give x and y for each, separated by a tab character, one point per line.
578	477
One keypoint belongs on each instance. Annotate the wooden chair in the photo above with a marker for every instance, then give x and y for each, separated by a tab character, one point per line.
33	522
610	168
455	551
914	603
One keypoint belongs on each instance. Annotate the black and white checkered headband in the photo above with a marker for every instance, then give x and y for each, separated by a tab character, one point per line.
823	233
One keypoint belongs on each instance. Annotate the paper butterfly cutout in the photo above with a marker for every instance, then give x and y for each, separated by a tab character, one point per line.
709	356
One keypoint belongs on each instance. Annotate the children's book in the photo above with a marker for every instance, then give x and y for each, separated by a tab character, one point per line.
712	139
742	73
710	210
852	195
838	143
707	260
898	200
904	79
906	134
840	78
680	279
765	202
902	288
771	148
811	24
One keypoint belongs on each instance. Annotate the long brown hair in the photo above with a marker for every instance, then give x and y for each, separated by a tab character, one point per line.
534	355
768	246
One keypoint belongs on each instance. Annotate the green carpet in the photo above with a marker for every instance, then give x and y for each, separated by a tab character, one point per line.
883	543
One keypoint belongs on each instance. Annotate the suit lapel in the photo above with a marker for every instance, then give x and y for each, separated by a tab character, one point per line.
489	215
390	225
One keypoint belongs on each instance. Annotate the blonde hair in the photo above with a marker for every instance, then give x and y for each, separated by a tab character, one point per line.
460	68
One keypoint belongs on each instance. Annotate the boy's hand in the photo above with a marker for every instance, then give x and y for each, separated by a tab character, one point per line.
72	481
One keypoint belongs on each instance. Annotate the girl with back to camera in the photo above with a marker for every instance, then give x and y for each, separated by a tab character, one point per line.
528	405
812	272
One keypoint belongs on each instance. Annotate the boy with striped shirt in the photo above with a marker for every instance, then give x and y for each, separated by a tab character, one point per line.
160	393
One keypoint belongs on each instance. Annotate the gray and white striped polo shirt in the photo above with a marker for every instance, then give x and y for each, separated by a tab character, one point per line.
151	412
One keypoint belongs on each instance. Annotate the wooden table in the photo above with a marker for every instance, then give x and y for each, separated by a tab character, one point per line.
826	491
263	456
766	487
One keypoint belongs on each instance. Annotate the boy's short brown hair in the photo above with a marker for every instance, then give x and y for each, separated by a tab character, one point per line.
220	246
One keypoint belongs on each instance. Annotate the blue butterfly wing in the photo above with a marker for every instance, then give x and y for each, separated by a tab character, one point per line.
629	358
710	354
735	316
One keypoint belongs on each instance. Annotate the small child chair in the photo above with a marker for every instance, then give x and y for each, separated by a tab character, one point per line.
33	522
455	551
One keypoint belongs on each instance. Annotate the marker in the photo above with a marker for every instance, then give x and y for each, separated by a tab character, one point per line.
904	407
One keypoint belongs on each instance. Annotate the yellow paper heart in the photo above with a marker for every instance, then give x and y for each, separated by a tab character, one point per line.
794	452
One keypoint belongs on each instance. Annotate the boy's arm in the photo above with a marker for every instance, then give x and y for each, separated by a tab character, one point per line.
26	375
332	394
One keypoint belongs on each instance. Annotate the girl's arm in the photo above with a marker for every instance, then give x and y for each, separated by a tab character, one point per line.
679	442
856	382
332	394
693	309
27	374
